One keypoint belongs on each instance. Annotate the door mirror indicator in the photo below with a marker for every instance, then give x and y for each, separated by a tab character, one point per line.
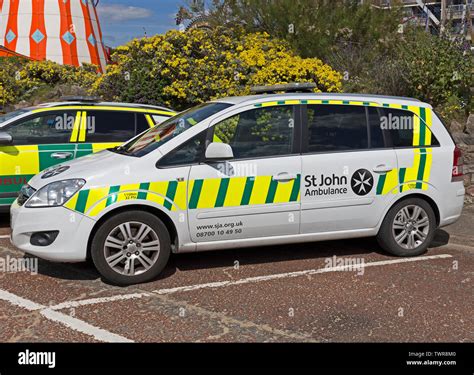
219	151
5	139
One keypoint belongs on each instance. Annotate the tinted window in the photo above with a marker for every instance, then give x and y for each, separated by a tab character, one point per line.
45	128
375	129
400	125
189	152
259	132
336	128
108	126
142	123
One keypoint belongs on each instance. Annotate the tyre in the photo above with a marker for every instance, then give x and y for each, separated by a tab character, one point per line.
131	247
408	228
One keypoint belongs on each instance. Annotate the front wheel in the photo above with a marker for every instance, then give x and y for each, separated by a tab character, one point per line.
131	247
408	228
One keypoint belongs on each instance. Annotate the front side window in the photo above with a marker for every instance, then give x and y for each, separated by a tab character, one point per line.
46	128
10	115
190	152
336	128
261	132
164	132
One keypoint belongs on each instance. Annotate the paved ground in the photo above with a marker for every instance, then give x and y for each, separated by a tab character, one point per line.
282	293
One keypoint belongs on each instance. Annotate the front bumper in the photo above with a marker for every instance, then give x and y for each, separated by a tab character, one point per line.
71	243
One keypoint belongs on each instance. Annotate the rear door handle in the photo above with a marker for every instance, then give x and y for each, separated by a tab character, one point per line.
284	176
382	168
61	155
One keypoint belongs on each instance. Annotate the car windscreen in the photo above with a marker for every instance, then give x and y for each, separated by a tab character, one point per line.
164	132
10	115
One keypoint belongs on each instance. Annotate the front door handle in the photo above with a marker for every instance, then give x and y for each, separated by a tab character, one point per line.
284	176
382	168
61	155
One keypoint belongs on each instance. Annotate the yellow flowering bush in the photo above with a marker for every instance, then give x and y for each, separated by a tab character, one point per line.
182	69
22	79
177	69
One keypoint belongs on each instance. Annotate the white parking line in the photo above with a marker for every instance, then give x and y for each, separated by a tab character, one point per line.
94	301
256	279
66	320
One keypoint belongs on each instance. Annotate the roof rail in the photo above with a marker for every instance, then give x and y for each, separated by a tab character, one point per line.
89	99
286	87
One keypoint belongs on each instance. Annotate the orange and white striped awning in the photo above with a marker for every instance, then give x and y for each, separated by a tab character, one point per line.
64	31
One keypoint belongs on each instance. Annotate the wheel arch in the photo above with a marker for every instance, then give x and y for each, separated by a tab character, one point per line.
167	221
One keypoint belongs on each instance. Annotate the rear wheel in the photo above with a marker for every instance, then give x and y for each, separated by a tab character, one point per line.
131	247
408	228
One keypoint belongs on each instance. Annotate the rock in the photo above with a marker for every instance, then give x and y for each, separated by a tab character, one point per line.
468	200
470	124
470	191
456	127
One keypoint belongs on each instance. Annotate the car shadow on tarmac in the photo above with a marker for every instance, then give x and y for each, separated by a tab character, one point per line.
224	258
227	258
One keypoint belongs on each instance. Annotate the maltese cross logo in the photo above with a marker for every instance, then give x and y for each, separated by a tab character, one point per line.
362	182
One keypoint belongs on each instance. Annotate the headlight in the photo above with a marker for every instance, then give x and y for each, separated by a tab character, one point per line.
55	194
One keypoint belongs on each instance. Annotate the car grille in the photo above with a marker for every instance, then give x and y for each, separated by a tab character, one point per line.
25	193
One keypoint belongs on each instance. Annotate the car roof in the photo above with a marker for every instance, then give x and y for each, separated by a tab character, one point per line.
93	104
382	99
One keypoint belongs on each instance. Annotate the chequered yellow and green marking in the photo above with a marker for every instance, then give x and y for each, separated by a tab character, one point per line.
195	194
317	101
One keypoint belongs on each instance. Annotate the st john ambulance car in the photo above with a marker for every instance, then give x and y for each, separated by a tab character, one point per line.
249	171
36	138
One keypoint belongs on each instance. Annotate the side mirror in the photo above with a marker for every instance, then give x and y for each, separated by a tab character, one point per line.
219	151
5	139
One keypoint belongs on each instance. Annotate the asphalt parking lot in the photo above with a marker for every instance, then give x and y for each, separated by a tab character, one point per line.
295	293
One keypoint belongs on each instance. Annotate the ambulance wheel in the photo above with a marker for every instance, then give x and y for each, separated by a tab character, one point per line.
408	228
131	247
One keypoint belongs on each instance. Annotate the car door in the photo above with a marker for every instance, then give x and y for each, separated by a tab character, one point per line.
39	142
255	194
344	162
102	129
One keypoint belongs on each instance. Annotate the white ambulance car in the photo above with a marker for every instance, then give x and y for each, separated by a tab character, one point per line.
249	171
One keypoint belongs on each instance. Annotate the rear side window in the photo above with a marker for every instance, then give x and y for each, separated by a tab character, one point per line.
336	128
142	123
376	133
400	125
109	126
